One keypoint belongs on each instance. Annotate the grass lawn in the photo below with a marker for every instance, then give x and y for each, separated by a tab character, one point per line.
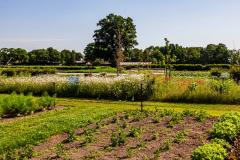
19	132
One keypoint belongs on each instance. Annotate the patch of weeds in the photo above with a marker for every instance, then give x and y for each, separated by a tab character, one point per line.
165	112
99	124
91	156
71	137
175	119
59	150
134	132
21	154
115	120
138	115
130	152
180	137
108	148
156	119
165	146
142	144
118	138
201	115
124	125
89	136
188	113
155	136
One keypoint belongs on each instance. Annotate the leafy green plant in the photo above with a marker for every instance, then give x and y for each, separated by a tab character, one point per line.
89	136
201	115
224	130
134	132
175	119
222	142
18	104
46	101
166	145
180	137
70	137
233	117
118	138
209	152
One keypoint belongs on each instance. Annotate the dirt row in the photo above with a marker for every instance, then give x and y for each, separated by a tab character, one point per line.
154	139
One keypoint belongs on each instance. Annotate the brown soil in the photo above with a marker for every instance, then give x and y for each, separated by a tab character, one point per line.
235	151
152	138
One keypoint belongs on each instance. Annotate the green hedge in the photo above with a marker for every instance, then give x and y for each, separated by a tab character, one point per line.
199	67
10	72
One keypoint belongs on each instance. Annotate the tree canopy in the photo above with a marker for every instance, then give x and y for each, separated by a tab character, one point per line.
115	36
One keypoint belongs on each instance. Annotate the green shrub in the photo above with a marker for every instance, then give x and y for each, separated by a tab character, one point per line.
224	130
180	137
201	115
235	74
209	152
118	138
46	101
216	72
233	117
71	136
134	132
221	87
14	104
10	72
18	104
222	142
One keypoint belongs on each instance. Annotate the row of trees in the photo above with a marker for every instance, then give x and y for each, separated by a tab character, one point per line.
115	40
212	54
49	56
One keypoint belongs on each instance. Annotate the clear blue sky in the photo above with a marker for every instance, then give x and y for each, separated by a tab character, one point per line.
70	24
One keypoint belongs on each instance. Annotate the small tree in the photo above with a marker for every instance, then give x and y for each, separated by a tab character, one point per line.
169	59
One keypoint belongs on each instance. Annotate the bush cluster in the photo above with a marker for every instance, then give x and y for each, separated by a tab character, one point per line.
199	67
10	72
223	132
13	105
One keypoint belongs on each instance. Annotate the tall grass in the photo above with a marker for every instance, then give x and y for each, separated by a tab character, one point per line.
120	88
194	90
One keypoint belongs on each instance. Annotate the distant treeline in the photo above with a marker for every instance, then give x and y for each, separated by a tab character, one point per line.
49	56
212	54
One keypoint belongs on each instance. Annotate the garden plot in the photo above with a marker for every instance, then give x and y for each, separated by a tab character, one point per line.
163	134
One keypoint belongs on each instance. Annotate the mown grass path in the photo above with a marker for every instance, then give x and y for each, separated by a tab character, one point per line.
78	113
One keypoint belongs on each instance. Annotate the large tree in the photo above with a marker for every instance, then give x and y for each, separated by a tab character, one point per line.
115	36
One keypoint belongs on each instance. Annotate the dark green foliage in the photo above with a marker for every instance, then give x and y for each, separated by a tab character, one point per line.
209	152
114	33
10	72
235	73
